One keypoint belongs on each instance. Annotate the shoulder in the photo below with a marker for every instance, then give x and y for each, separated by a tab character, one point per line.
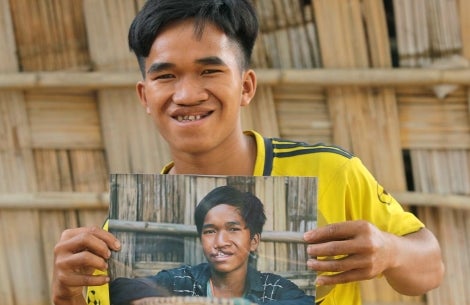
287	157
267	279
187	272
294	147
275	280
287	148
180	271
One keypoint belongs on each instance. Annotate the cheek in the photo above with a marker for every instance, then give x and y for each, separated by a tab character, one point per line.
157	94
206	243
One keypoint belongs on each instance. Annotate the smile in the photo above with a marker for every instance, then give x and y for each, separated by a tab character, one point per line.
221	254
188	118
191	117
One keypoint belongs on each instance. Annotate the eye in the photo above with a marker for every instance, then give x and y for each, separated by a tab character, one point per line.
208	231
210	71
234	229
164	76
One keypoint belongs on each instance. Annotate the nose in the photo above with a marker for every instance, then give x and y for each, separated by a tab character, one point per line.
189	91
221	240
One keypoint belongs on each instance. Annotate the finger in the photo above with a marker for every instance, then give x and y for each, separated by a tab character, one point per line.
80	263
81	280
343	247
342	264
333	248
336	231
83	241
343	277
108	238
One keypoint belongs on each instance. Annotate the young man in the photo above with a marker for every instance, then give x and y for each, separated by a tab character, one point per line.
229	224
194	56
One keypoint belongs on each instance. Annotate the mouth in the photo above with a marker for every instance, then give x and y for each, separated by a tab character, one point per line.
191	117
221	255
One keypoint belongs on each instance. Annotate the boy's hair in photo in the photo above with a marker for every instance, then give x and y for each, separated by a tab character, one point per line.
236	18
249	206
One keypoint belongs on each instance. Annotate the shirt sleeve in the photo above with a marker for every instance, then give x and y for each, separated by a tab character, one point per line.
366	199
98	295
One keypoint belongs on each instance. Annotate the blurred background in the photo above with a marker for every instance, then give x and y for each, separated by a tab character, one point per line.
388	80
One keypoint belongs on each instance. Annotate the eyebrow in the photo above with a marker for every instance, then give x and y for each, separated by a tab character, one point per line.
227	224
211	60
205	61
160	66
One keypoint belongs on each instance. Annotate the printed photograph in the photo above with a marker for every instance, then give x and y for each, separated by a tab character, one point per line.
235	238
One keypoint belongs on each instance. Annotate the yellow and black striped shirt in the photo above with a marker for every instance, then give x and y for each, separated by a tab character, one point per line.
346	191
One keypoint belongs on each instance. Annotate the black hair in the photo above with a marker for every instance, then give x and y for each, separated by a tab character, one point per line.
250	207
236	18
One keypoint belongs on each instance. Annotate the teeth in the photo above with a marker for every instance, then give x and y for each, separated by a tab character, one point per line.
189	118
220	254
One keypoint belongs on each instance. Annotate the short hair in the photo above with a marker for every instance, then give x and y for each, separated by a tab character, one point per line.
236	18
250	207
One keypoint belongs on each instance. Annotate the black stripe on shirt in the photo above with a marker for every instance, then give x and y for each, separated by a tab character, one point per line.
268	159
305	151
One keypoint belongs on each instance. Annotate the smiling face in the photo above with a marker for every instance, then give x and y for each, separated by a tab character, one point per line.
194	88
226	240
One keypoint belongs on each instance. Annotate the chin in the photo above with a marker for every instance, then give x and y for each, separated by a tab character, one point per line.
192	145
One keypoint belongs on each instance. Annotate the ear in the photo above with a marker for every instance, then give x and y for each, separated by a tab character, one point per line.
248	87
140	88
255	242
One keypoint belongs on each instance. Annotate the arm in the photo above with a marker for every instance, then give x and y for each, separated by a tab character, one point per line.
77	255
417	266
412	264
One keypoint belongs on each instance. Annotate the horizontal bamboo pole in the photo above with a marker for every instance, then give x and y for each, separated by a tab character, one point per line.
54	201
190	230
319	77
90	200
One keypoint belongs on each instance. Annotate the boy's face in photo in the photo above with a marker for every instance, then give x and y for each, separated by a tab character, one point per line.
194	87
226	240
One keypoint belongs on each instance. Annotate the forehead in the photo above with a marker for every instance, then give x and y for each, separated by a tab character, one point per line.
223	213
181	39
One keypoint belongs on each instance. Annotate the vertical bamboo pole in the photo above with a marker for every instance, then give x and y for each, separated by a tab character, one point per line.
22	280
464	8
353	34
433	171
132	143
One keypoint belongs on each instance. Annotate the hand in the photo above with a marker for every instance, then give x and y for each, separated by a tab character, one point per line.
77	255
364	252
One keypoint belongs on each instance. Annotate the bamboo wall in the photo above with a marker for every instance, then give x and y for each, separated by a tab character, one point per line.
328	71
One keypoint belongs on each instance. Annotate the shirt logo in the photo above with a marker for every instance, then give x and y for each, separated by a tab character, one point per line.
383	196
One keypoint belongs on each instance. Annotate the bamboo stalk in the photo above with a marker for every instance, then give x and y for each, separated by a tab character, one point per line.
464	8
7	47
8	295
61	200
190	230
97	200
329	77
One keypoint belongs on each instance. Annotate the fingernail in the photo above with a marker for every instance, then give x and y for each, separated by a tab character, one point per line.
117	244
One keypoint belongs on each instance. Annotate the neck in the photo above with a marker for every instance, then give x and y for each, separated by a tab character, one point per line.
228	286
234	158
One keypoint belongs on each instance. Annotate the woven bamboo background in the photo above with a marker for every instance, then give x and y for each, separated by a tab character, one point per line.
388	80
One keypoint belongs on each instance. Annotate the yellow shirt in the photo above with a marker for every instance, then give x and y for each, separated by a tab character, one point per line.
346	191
